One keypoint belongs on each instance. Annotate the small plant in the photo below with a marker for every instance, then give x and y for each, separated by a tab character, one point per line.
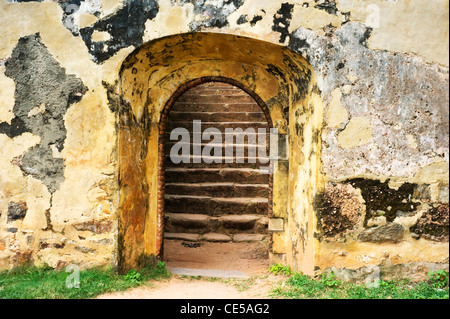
161	265
133	276
438	279
280	269
330	280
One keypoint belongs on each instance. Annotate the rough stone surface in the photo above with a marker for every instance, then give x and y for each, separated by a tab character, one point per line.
384	87
387	233
386	270
182	236
380	197
17	210
247	237
41	83
216	237
339	211
433	225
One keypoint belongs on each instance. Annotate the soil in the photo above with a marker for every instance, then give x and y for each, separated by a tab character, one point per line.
249	258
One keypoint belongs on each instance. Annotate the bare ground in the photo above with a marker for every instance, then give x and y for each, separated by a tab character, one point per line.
249	258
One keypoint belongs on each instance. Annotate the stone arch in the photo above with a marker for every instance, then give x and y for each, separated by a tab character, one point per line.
282	81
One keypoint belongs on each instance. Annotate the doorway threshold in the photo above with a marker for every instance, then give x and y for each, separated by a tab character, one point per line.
216	273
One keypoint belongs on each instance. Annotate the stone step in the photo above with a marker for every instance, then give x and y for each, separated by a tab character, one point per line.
216	98
235	146
215	237
215	206
226	224
215	91
215	107
218	189
246	165
249	158
260	166
221	126
212	175
217	116
234	136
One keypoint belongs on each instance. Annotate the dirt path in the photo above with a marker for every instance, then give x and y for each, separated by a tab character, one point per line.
250	259
179	287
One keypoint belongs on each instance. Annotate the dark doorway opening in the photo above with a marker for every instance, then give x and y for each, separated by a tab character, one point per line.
216	211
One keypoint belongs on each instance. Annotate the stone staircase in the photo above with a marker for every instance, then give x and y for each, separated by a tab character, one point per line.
218	202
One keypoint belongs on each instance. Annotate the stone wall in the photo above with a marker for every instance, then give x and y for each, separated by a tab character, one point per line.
381	68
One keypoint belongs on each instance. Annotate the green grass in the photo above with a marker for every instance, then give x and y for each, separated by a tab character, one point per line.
330	287
46	283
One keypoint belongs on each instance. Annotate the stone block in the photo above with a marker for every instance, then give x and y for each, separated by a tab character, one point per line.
216	237
17	210
276	224
247	237
392	232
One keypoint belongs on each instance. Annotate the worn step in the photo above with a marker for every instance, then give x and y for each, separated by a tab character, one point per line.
175	221
215	206
201	224
214	91
216	98
215	107
173	160
221	126
215	237
220	175
248	237
236	137
218	189
252	146
257	166
183	236
217	116
244	222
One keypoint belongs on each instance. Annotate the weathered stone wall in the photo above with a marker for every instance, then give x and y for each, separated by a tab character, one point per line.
382	74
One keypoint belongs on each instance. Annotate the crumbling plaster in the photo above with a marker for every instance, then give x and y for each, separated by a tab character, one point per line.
382	74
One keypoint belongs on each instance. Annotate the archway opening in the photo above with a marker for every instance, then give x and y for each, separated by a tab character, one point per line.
283	84
217	192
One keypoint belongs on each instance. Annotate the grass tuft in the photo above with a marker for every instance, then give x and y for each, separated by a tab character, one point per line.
299	286
47	283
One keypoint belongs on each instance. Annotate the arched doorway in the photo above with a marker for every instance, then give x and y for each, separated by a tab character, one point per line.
156	74
217	206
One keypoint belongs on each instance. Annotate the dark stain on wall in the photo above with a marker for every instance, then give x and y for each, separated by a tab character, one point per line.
338	211
379	196
126	27
114	100
327	5
282	20
242	19
17	210
40	83
433	225
214	14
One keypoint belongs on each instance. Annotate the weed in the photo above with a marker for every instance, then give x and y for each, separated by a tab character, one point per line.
280	269
133	276
438	279
328	286
330	280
